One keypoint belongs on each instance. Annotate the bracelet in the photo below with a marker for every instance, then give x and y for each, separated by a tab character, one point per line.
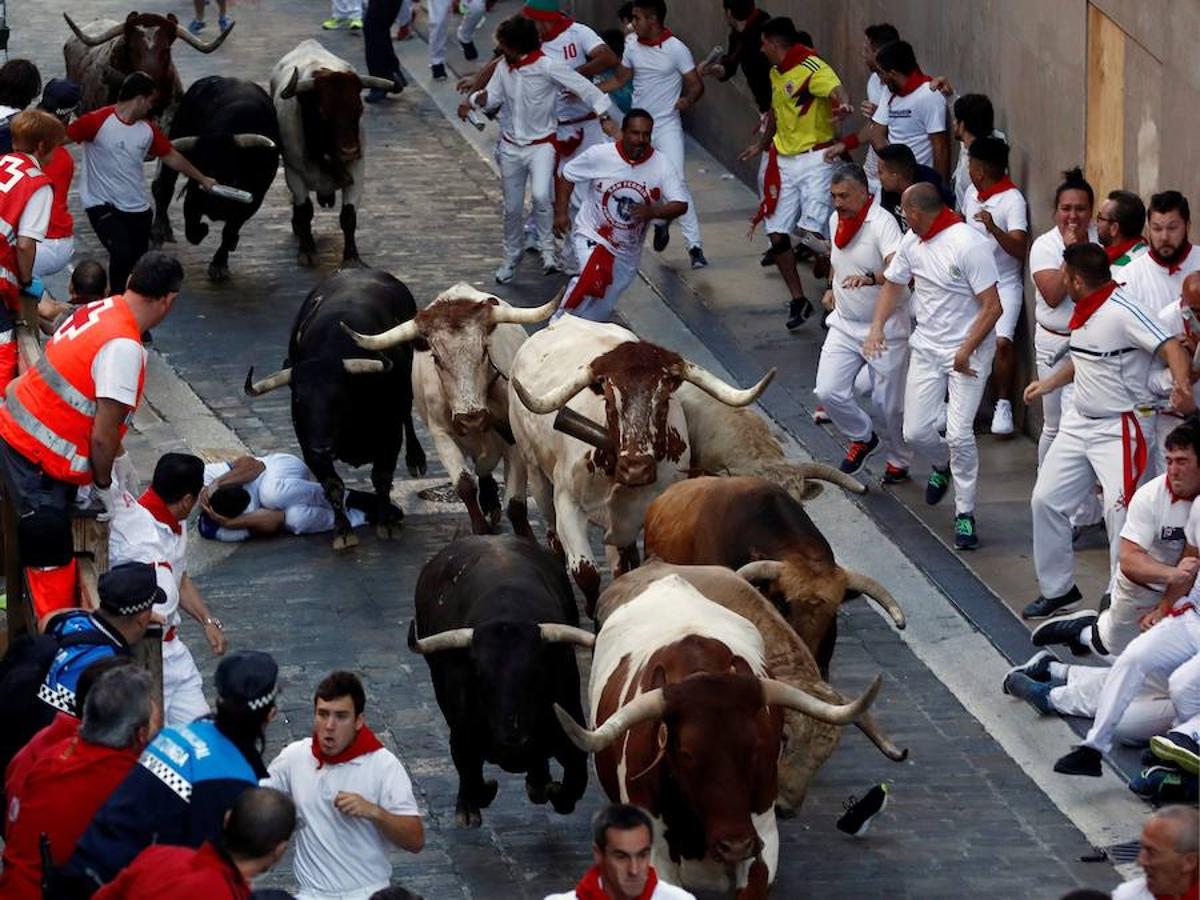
217	623
851	143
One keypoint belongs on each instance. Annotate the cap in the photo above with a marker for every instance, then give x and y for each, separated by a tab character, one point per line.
60	96
248	676
546	10
129	589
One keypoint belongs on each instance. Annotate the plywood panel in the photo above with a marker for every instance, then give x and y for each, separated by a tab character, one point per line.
1105	103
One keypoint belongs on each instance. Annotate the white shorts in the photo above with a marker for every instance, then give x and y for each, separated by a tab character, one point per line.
53	255
803	194
1012	298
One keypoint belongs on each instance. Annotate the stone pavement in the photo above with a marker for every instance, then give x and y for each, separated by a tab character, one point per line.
963	817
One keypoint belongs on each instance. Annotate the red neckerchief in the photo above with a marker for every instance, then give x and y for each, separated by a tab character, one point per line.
944	220
848	226
658	42
1119	249
1088	305
589	886
364	742
526	60
157	507
798	54
560	24
1004	184
1192	893
915	79
633	162
1174	267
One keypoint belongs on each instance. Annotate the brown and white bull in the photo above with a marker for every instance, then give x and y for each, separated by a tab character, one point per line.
465	342
621	389
687	725
759	529
318	99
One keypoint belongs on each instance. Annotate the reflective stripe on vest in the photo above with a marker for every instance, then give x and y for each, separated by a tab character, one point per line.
66	391
57	445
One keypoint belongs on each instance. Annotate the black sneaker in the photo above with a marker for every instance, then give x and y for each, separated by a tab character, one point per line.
697	257
894	475
469	50
768	258
662	237
859	813
798	312
1178	748
1065	630
1045	607
857	454
965	537
937	485
439	72
1037	666
1080	761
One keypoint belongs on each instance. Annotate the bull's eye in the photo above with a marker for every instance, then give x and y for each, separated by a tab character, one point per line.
437	360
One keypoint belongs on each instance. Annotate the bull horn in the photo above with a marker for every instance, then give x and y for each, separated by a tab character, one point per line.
556	398
454	639
868	726
823	472
865	584
185	144
583	429
761	570
296	85
786	696
715	387
401	334
372	81
554	633
645	708
247	141
276	380
365	366
196	44
523	316
99	39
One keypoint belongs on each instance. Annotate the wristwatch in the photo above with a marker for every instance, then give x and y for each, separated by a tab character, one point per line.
212	620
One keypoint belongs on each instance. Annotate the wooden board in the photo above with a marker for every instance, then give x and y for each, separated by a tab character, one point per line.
1105	103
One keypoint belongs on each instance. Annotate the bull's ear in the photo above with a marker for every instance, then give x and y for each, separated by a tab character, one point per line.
658	678
171	17
420	345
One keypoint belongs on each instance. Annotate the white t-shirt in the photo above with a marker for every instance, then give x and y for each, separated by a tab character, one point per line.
1151	284
117	369
613	185
875	89
113	155
950	271
571	48
336	853
662	891
1045	254
1010	213
960	179
135	535
35	217
1133	890
658	74
911	119
531	93
1157	523
854	308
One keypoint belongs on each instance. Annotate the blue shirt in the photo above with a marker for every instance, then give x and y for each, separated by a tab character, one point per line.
83	639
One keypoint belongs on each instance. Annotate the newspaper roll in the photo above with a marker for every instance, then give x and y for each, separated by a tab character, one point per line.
232	193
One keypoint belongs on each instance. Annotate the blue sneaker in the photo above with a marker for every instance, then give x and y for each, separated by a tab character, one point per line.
1037	667
1035	693
937	485
224	23
196	26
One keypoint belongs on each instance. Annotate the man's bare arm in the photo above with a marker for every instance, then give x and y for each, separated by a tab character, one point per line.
106	439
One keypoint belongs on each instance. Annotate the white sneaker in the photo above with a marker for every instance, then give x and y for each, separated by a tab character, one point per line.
505	273
1002	419
549	263
820	417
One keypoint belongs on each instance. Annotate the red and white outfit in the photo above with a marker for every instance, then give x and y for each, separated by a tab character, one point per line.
591	887
25	200
658	68
1009	211
861	245
951	265
1153	285
1105	435
56	250
113	155
912	115
570	42
607	239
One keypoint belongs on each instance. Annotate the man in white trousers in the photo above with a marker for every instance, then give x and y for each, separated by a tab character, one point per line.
628	184
1106	434
665	82
865	236
956	305
528	82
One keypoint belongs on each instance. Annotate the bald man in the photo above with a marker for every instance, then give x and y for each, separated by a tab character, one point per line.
1181	319
1169	856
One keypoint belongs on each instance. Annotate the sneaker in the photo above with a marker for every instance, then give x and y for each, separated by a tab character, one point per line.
505	273
697	256
1036	667
662	237
799	309
768	258
356	24
469	50
335	24
1035	693
858	453
820	417
196	26
375	95
937	485
1045	607
1002	420
1065	630
1164	784
223	23
404	33
895	475
549	263
1178	748
965	537
1080	761
399	81
859	813
439	72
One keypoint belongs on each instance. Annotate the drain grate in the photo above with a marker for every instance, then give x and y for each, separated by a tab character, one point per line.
439	493
1124	853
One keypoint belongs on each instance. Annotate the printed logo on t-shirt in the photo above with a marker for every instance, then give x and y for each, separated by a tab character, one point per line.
1171	534
617	202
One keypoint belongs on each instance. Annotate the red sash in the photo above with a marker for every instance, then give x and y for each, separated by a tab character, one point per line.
1133	454
657	42
1116	251
157	507
526	60
595	279
772	186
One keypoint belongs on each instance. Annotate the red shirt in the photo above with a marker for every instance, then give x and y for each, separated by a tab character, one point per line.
60	797
61	169
177	873
61	728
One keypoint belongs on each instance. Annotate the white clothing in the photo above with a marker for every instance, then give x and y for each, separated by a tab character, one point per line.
1133	890
53	255
912	118
338	854
1012	301
667	138
473	13
117	369
531	92
662	891
1112	352
439	27
875	89
1050	354
1152	285
1010	213
113	159
599	309
960	178
1047	253
658	75
35	217
1149	714
804	199
183	687
346	9
571	47
533	166
878	238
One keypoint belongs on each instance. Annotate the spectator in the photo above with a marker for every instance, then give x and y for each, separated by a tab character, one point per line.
60	99
377	44
973	118
63	791
198	24
1119	226
20	82
910	111
1169	857
745	21
348	15
875	37
622	841
625	16
1154	279
254	837
354	796
187	779
898	171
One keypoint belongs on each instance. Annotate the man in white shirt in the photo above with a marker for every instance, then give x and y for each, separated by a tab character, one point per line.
910	111
665	82
529	83
1119	226
974	118
995	207
628	184
956	307
1154	279
1169	856
351	792
865	236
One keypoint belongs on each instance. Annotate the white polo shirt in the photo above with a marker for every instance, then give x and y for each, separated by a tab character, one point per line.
854	308
571	47
1010	213
1156	521
338	854
912	118
950	271
135	535
1047	253
658	72
530	92
1152	284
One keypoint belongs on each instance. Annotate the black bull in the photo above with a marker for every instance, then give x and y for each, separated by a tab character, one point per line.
231	122
347	405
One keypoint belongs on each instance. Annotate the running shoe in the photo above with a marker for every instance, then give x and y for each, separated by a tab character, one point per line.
937	485
858	453
856	821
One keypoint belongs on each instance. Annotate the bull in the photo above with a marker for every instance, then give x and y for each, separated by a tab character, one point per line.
497	624
620	391
318	99
346	407
465	342
688	726
99	58
759	529
227	128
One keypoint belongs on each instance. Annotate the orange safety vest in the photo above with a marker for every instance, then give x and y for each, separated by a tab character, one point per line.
48	411
19	178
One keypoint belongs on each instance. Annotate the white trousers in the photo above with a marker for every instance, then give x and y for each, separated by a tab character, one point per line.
841	361
53	255
1084	451
667	139
931	376
1046	345
183	689
1118	625
599	309
532	165
405	15
346	9
439	28
471	21
1169	650
1151	711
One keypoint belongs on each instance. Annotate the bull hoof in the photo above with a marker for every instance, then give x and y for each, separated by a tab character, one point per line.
563	805
388	531
538	793
416	468
345	542
467	816
217	272
306	258
196	233
487	793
